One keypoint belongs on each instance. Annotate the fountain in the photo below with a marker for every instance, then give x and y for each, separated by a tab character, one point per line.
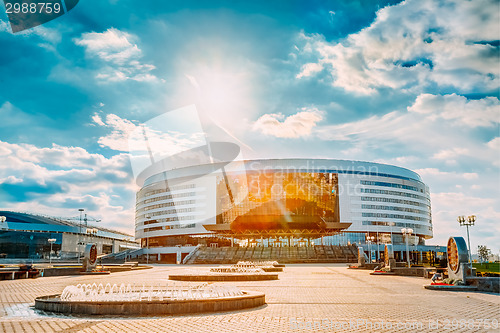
261	263
267	266
236	269
140	300
238	272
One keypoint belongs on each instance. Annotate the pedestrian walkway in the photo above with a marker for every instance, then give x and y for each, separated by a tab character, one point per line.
306	298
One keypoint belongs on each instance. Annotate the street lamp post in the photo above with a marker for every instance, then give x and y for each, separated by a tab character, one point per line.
468	223
369	240
147	245
391	224
406	233
51	241
2	220
81	210
369	250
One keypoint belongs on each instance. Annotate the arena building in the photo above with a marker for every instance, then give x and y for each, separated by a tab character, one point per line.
26	235
282	202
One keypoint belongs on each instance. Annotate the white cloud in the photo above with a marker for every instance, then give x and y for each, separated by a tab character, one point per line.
428	129
399	160
10	180
448	154
58	180
446	206
494	149
52	36
414	44
472	113
146	77
111	75
440	144
14	118
128	136
120	54
309	69
4	26
494	144
294	126
445	175
112	45
97	119
40	165
120	131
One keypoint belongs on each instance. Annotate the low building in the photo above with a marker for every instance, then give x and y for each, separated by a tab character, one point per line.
26	235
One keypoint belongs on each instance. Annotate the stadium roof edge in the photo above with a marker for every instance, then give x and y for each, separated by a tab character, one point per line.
40	219
333	165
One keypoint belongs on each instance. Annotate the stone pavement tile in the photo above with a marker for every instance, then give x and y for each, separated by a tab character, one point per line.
303	299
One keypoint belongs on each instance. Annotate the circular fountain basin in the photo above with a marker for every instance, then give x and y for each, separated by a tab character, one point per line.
222	277
248	299
272	269
266	266
226	273
267	269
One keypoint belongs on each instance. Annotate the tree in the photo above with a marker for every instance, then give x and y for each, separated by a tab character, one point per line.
483	252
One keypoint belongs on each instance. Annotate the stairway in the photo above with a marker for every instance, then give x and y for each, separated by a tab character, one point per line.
303	254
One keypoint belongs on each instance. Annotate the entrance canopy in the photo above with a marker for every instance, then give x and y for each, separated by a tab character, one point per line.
328	229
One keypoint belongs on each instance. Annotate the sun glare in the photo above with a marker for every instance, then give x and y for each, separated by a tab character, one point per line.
221	93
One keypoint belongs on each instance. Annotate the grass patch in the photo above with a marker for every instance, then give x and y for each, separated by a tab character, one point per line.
492	267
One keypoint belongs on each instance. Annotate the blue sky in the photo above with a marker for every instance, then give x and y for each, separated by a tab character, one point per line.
414	84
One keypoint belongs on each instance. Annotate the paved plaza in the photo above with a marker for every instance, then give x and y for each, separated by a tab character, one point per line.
306	298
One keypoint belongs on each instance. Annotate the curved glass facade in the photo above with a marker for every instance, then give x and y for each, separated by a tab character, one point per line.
277	200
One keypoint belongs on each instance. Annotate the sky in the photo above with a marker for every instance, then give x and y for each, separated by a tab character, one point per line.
413	84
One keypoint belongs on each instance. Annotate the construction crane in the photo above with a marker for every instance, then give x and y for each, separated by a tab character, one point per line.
85	218
82	218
